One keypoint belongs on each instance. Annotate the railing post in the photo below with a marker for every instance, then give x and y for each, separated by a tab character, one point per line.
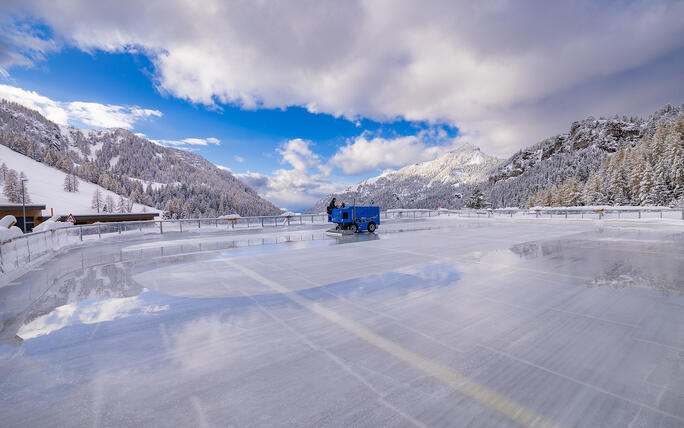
161	228
199	223
639	213
99	231
118	226
217	223
80	232
28	249
180	224
661	213
618	214
262	222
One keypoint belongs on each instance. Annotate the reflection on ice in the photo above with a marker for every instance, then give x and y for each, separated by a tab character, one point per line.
169	333
87	312
54	308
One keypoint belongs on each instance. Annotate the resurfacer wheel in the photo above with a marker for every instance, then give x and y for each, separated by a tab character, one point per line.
354	227
371	227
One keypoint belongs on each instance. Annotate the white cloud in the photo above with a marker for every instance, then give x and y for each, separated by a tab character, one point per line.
189	142
78	112
21	45
365	154
508	72
225	168
239	159
302	184
108	116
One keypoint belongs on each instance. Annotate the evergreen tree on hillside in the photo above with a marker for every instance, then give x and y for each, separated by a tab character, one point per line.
121	205
476	200
678	178
593	194
572	193
660	192
109	205
636	174
70	183
97	201
619	187
11	189
3	172
22	191
646	186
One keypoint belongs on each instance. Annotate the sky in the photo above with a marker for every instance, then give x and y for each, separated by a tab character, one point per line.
303	98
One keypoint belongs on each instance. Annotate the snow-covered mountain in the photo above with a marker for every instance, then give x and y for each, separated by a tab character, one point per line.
575	154
422	185
181	182
45	186
563	161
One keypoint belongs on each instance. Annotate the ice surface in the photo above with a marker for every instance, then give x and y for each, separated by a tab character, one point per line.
465	322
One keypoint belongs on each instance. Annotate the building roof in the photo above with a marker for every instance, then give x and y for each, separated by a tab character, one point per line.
13	207
109	216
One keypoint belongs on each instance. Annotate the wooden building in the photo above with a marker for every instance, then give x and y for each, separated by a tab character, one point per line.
108	217
34	214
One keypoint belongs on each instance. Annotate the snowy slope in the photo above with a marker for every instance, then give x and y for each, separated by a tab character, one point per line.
126	164
576	153
421	185
45	186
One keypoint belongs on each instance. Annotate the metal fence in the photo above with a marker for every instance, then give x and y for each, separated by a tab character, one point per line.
22	250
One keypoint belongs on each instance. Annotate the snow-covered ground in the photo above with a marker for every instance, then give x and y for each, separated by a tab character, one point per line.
45	186
441	322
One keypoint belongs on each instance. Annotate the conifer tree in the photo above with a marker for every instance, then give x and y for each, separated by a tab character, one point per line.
97	201
11	188
22	190
646	185
109	204
660	192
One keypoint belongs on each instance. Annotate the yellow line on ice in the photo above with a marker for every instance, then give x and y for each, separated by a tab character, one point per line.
507	407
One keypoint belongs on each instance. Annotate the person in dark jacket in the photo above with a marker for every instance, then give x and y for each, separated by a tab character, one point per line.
331	206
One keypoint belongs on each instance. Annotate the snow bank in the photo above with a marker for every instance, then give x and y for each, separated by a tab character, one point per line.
8	230
230	216
52	224
604	207
9	234
7	221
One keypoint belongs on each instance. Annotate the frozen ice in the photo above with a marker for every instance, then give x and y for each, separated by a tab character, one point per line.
430	323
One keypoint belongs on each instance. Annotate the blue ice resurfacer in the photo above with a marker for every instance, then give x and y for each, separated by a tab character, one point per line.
354	219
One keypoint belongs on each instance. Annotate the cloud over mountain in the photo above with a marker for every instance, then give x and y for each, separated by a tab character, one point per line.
506	73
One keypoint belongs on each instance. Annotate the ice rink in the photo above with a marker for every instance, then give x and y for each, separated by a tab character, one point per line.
441	322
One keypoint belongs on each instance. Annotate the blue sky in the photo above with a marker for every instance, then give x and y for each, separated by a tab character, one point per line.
301	100
250	140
